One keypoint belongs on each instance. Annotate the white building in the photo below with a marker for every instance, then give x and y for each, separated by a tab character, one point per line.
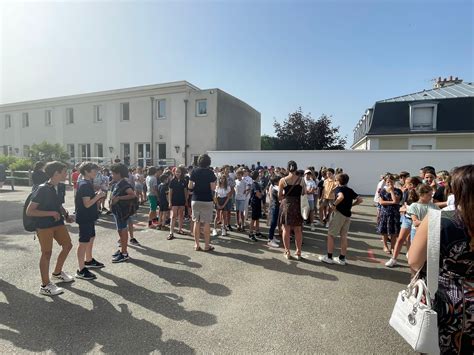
172	122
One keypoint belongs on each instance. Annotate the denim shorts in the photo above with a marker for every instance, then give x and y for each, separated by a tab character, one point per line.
311	205
121	224
240	205
406	222
412	233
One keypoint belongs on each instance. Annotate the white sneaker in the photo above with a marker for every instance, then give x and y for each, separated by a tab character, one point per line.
214	232
63	277
224	232
276	240
327	225
391	263
318	223
340	262
313	228
273	244
50	290
325	259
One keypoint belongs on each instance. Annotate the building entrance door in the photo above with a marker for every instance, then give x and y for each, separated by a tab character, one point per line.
144	154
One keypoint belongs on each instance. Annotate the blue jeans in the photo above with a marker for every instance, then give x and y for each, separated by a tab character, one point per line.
274	213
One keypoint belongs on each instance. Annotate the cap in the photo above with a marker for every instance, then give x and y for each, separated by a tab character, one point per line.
308	172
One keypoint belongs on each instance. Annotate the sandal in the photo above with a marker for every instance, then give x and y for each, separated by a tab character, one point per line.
197	249
287	255
211	248
170	237
180	232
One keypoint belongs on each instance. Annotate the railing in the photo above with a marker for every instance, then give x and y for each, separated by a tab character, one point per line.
13	176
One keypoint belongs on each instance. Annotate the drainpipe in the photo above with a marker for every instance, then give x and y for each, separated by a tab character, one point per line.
186	132
152	150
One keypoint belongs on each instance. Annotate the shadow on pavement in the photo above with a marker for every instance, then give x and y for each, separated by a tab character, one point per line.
169	258
38	325
183	278
166	304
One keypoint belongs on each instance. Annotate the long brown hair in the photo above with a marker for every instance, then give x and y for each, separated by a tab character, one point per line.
462	183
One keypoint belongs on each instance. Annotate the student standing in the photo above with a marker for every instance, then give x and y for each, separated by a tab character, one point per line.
346	198
328	196
122	191
256	206
178	195
274	211
163	201
152	195
311	188
86	201
240	200
202	183
46	205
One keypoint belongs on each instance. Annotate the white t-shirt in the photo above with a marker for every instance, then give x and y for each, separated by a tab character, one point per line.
151	185
380	186
221	192
240	189
310	184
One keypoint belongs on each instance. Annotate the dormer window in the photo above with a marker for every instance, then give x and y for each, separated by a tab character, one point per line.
423	117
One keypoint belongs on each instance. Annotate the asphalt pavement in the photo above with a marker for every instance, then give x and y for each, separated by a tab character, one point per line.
242	298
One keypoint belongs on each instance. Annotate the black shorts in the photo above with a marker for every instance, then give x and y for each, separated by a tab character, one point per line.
86	232
256	210
164	207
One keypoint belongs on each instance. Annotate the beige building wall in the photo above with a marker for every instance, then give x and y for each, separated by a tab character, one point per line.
455	142
393	143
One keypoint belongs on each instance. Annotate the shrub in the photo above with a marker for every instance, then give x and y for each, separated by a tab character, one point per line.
21	164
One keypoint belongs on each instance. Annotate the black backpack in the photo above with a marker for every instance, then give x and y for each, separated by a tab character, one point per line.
29	223
126	208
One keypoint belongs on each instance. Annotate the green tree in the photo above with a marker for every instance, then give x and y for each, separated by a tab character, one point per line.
268	142
302	132
48	152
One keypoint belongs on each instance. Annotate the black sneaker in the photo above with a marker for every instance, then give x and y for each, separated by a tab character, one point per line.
120	258
252	238
116	254
94	264
229	228
85	274
259	235
133	241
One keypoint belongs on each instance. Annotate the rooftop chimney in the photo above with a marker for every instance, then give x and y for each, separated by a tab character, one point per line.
441	83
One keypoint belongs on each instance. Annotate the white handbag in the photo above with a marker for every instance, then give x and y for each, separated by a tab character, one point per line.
414	320
305	210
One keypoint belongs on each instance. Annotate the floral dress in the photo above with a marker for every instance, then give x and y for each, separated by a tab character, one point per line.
389	219
454	301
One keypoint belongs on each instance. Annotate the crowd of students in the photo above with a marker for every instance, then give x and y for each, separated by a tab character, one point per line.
209	195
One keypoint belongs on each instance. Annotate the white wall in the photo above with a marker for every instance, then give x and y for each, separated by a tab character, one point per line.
363	167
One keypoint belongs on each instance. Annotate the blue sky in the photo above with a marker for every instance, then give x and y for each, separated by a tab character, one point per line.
333	57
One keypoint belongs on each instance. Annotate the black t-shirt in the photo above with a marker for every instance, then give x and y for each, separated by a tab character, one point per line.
120	189
345	205
438	196
162	192
39	177
179	188
254	199
202	178
85	188
48	200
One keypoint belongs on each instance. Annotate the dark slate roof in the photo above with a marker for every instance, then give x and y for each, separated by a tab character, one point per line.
448	92
454	115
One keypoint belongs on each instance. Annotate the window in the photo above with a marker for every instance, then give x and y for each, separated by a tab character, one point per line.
25	119
7	150
84	151
162	151
423	117
125	153
160	109
48	118
69	115
26	150
98	113
8	121
99	150
125	111
70	150
421	147
201	107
